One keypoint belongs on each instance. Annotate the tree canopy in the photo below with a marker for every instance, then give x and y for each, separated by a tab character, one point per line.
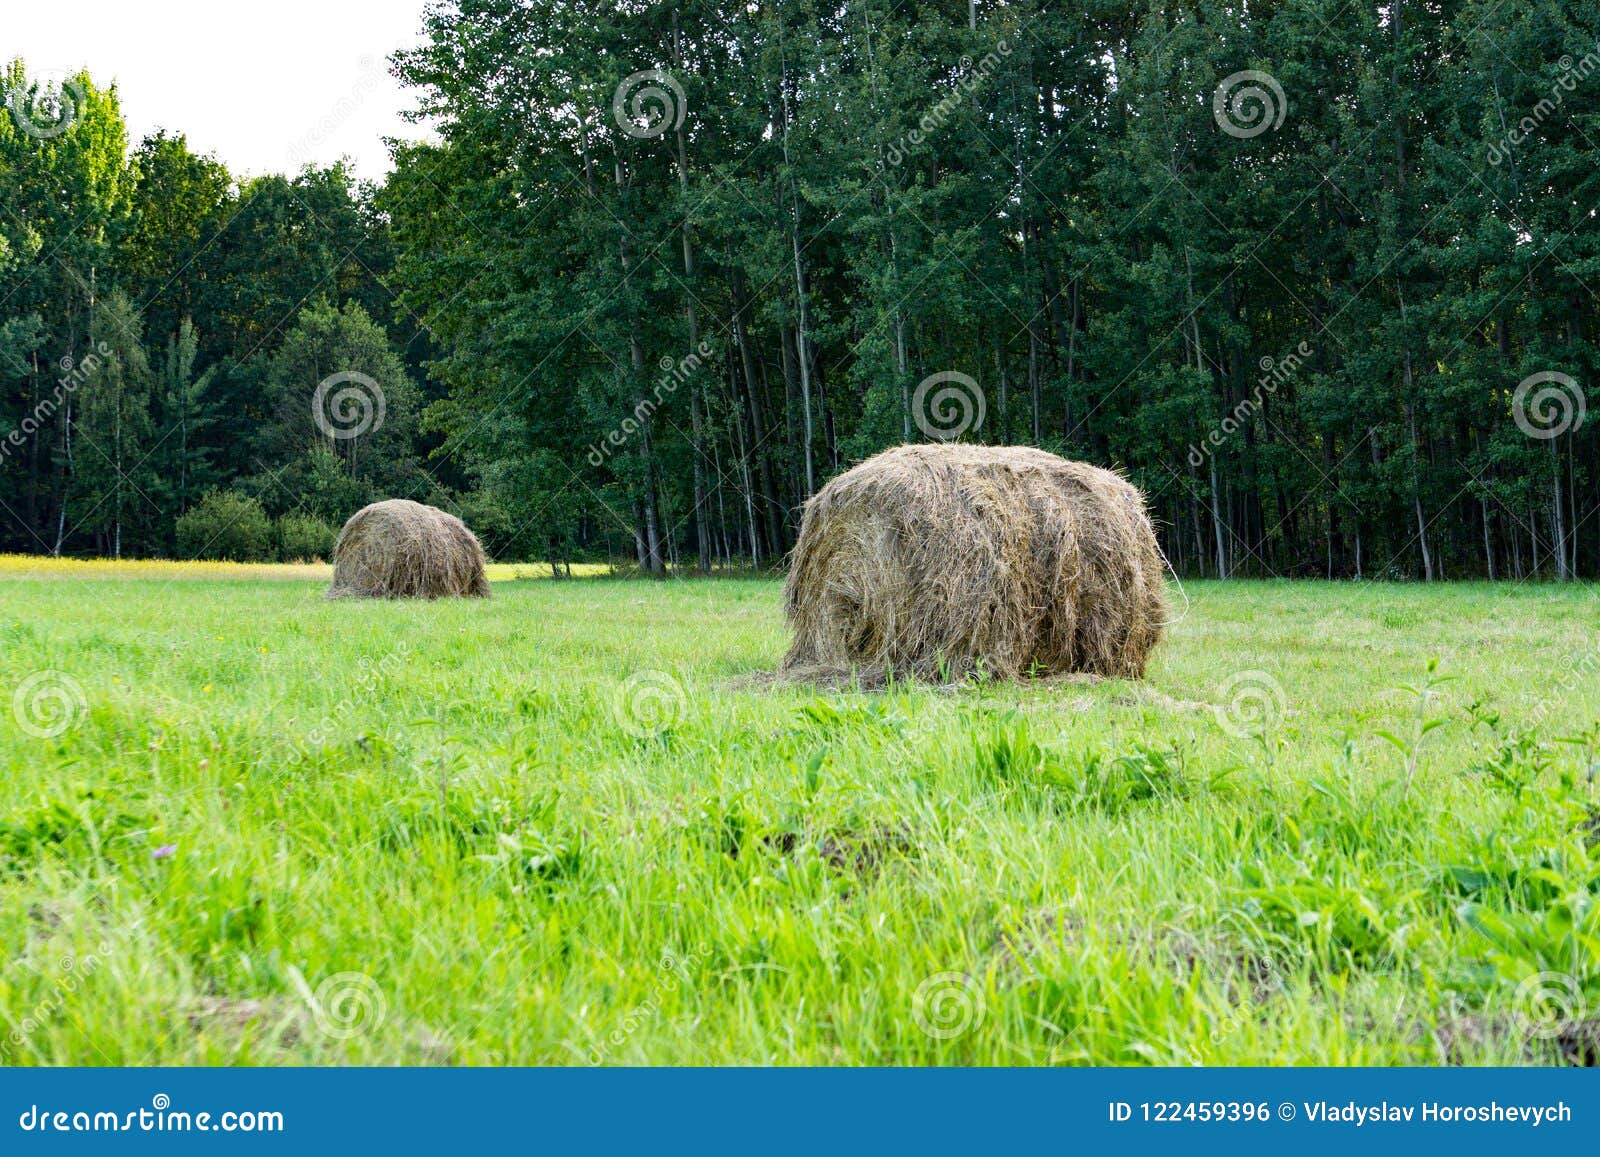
1317	277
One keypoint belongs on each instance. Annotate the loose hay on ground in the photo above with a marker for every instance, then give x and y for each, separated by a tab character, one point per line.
400	549
935	562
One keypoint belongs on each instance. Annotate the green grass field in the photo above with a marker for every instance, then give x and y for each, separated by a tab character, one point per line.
239	824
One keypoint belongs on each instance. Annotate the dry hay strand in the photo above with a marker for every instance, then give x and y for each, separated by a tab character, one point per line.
942	561
404	550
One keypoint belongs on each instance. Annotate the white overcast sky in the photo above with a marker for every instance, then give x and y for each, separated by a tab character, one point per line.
264	87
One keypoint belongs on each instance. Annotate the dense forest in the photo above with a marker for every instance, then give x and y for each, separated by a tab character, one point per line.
1317	275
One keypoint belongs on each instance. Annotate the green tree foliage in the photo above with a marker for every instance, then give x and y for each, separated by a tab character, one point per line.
228	525
188	413
109	444
158	321
302	538
1317	277
181	202
337	395
1286	265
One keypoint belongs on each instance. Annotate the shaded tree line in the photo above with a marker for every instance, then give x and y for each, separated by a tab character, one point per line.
1317	276
1285	263
163	327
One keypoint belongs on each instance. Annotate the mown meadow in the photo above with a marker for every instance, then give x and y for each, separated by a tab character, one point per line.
1338	824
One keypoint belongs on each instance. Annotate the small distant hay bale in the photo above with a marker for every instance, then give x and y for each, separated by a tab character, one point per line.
935	562
404	550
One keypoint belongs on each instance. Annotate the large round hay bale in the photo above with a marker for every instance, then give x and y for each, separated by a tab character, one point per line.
938	561
404	550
